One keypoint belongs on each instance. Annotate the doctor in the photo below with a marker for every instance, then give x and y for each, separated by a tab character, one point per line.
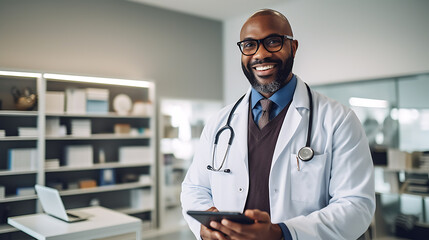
324	191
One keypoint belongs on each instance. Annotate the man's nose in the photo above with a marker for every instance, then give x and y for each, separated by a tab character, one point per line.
262	52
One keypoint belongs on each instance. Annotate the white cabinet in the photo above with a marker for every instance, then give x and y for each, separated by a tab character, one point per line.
92	154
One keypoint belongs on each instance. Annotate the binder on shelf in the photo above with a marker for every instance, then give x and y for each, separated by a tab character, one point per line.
27	131
54	102
107	176
135	154
418	183
397	159
81	127
97	100
145	179
72	185
52	163
75	101
2	192
53	127
87	183
22	159
56	185
79	156
424	161
25	191
426	208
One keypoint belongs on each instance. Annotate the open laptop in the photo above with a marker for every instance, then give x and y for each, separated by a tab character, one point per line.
53	205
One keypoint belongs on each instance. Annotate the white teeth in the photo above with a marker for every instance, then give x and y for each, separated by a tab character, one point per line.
263	68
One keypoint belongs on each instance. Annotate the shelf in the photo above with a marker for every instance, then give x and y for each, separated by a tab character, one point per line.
10	172
17	113
400	193
101	136
134	210
6	228
95	115
17	138
109	188
409	170
417	194
98	166
172	205
18	198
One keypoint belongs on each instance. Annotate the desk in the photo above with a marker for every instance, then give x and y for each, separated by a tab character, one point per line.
103	223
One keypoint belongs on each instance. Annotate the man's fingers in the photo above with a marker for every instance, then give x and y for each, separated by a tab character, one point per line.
218	235
226	231
258	215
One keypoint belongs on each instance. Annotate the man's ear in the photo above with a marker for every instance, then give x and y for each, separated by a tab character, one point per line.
294	47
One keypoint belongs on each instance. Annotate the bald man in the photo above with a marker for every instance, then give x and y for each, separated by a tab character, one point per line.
298	164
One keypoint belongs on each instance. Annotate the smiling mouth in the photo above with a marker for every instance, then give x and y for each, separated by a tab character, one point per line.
264	68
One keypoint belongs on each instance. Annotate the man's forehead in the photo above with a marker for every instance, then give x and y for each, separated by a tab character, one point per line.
264	25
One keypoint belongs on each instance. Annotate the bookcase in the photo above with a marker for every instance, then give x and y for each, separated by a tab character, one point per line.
91	138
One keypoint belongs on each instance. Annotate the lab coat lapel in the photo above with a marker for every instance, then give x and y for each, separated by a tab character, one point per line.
292	119
240	123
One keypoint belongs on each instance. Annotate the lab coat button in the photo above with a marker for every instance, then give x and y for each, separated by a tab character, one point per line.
240	189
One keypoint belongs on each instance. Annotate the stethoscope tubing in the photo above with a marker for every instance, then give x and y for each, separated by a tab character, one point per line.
305	153
231	139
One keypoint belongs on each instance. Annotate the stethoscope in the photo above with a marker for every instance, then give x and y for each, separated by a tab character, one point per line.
305	153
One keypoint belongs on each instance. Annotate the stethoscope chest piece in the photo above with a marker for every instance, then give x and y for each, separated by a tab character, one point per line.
305	154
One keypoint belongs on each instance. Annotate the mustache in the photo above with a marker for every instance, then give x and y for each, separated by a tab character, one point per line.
265	60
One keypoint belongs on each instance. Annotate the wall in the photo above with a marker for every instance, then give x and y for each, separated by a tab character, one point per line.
343	40
111	38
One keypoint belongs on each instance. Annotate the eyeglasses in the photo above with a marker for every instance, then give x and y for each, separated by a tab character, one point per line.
272	43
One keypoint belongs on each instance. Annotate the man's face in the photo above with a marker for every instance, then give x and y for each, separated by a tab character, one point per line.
267	72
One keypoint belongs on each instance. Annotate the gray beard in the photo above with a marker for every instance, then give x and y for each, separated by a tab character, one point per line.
267	88
279	81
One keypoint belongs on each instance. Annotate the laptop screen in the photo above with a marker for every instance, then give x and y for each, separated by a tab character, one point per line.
51	201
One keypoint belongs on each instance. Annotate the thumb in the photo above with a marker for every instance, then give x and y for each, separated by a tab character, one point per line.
212	209
258	215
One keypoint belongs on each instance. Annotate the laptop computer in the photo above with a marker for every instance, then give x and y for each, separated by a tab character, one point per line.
53	205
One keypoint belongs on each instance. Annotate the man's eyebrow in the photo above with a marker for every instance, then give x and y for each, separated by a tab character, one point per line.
248	39
271	35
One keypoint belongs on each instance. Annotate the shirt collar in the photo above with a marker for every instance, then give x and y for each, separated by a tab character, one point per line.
281	98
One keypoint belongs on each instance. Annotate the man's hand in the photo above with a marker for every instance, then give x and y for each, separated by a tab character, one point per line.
261	229
208	234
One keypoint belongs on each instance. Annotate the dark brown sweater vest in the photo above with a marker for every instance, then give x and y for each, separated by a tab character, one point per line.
261	144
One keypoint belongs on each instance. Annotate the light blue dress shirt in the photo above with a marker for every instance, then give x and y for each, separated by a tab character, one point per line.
280	100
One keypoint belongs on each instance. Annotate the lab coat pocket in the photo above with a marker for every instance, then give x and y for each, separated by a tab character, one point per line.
223	186
307	178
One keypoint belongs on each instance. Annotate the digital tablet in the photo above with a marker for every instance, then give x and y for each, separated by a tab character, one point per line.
205	217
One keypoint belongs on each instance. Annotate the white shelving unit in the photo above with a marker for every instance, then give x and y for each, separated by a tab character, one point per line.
10	119
121	194
181	124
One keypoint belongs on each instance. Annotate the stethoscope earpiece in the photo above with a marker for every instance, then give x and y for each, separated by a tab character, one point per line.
227	170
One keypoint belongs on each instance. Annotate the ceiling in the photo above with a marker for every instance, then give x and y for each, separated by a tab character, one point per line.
213	9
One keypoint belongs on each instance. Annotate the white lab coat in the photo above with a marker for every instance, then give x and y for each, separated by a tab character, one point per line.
331	197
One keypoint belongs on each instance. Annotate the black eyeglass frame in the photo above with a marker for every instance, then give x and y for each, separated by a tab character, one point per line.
259	41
